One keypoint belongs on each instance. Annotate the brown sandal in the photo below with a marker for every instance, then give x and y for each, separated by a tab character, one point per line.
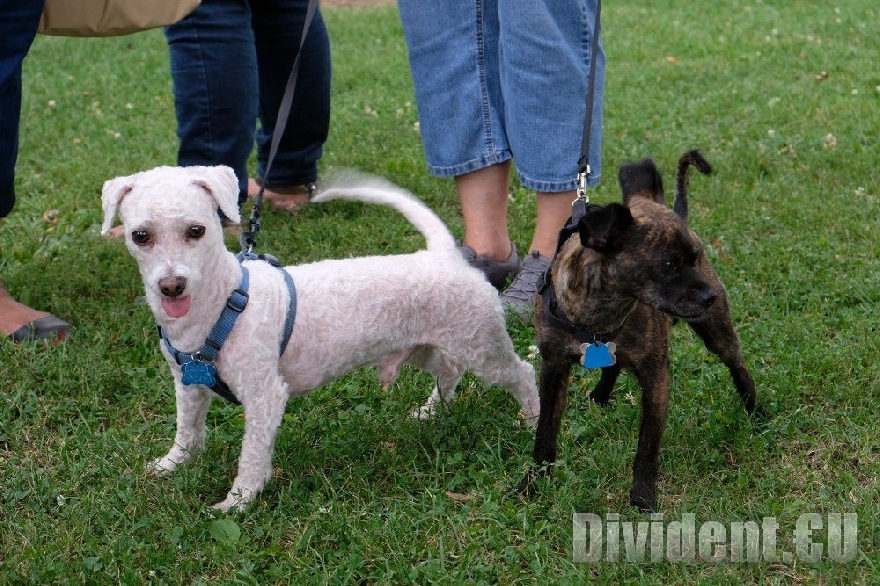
283	198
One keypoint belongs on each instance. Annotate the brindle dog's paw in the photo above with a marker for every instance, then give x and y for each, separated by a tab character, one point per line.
601	399
760	413
528	485
601	393
761	418
643	499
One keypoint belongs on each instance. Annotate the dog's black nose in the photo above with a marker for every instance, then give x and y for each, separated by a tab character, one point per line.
707	298
172	286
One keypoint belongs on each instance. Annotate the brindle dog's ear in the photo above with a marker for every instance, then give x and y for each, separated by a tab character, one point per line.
601	229
641	179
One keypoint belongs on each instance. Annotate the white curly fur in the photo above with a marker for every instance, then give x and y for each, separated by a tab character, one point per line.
429	309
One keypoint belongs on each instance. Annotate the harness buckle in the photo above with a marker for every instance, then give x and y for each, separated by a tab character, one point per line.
237	300
272	260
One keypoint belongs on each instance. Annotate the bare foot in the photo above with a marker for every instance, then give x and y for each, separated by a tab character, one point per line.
283	198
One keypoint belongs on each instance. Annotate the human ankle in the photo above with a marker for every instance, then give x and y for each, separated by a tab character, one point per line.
493	250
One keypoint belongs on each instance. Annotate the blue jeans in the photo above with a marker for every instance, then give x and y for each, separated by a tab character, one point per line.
18	27
505	79
230	62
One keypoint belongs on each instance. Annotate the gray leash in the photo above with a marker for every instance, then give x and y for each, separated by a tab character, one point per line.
249	237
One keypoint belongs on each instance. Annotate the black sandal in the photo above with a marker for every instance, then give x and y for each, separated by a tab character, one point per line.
48	328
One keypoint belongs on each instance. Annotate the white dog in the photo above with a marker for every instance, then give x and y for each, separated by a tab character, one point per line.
429	309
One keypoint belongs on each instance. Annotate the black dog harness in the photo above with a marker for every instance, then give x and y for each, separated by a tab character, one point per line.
197	368
556	318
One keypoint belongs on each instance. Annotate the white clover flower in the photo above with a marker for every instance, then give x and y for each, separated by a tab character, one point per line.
533	352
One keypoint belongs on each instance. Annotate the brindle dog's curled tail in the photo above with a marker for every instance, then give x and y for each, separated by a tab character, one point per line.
695	158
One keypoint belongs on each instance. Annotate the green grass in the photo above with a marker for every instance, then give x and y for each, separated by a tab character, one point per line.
364	494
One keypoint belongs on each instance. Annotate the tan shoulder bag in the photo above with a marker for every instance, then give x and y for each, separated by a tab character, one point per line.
107	18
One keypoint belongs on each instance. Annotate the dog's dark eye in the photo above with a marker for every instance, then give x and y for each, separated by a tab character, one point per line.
671	266
195	232
140	237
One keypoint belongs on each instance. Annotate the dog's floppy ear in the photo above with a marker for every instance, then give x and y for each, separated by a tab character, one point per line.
222	184
111	196
601	229
641	179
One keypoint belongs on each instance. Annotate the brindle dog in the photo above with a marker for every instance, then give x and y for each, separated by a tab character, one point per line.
632	271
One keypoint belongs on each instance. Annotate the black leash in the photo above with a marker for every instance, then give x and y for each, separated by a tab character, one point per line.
249	238
581	205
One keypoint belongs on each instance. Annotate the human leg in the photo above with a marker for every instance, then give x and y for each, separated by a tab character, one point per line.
278	27
18	27
546	51
454	63
483	196
545	95
552	211
453	56
486	244
214	77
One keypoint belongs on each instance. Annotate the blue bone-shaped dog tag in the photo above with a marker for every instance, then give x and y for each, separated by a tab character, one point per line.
598	354
198	373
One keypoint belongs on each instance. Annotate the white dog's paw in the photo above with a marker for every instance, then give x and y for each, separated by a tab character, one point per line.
529	420
237	501
530	413
426	411
225	505
162	467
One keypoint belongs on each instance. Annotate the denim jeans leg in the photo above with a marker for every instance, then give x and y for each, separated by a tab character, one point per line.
453	56
278	26
496	79
214	76
545	89
18	27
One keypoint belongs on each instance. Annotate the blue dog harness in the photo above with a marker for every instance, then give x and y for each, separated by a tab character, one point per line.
197	368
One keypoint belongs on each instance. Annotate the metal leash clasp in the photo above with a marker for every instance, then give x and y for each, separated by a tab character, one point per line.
582	184
580	203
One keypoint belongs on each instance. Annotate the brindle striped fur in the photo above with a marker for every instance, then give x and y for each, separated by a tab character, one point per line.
634	269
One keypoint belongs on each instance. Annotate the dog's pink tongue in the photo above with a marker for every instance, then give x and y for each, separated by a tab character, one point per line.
176	306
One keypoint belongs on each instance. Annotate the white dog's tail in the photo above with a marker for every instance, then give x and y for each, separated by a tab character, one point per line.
436	233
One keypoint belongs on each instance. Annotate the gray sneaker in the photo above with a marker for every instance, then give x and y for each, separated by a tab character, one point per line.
520	295
496	271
